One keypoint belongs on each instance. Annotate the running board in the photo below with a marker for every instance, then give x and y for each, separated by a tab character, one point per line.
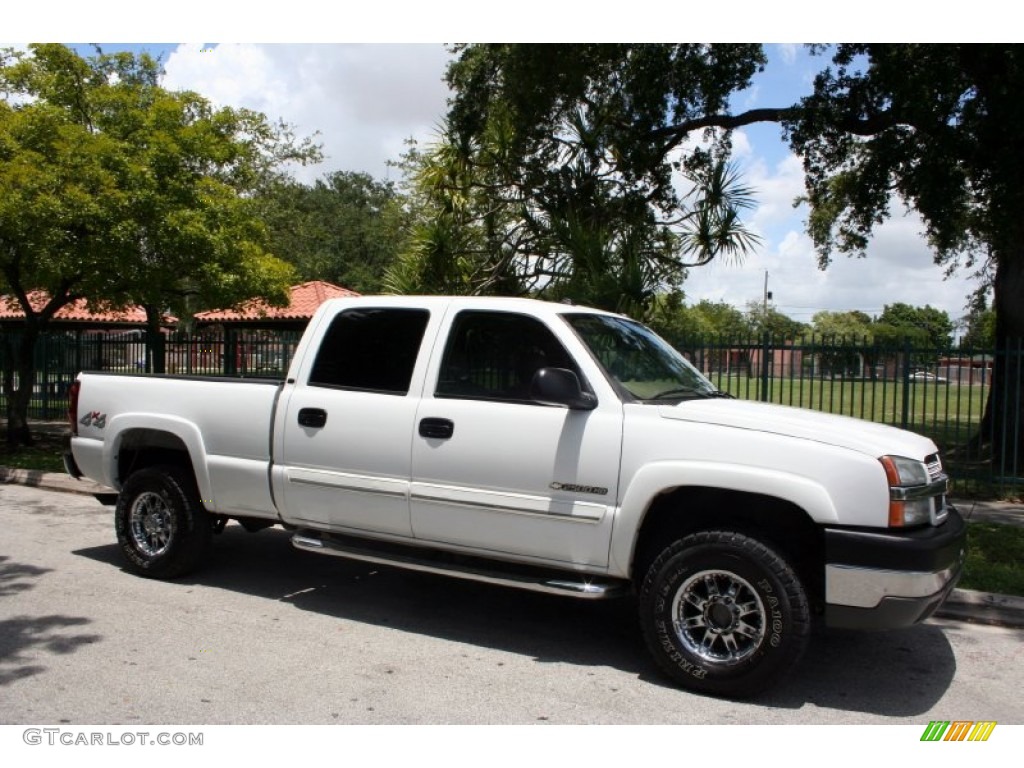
520	577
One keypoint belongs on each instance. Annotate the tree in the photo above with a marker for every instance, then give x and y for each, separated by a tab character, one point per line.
979	329
852	325
845	340
564	193
460	240
923	326
935	127
347	228
684	325
120	192
773	322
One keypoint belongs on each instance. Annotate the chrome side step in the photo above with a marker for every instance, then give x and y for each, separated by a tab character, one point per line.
562	583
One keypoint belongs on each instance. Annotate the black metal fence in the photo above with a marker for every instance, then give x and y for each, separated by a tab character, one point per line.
942	393
60	356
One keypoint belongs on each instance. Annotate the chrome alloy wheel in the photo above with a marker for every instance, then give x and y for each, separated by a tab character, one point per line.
151	523
719	617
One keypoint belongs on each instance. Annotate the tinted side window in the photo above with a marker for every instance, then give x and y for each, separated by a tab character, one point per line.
370	349
493	356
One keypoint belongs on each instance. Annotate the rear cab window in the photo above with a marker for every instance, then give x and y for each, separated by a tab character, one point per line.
370	349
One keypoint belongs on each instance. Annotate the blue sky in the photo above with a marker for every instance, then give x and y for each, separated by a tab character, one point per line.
362	101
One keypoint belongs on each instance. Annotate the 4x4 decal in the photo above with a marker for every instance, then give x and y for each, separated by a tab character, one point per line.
95	419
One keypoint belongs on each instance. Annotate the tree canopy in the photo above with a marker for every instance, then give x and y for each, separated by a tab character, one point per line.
346	228
851	325
552	175
979	327
121	192
925	326
768	319
935	127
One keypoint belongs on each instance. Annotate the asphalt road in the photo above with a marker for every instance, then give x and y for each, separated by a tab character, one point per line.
267	634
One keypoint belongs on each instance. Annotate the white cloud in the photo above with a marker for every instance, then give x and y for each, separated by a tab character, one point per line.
899	266
741	146
787	51
363	100
775	190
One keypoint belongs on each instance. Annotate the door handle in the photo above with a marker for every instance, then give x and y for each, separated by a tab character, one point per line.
440	429
312	417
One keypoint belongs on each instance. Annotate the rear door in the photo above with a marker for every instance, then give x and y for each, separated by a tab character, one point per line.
345	426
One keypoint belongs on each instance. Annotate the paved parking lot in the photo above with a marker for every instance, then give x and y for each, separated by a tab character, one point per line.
267	634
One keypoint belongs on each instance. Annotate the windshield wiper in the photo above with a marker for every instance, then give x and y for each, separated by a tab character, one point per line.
683	392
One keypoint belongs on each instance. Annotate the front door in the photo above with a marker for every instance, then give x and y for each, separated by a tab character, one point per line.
493	471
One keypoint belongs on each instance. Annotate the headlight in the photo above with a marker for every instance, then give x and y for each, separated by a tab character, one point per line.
903	472
910	491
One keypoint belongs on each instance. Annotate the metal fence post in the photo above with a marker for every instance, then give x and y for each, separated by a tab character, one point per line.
905	415
765	370
44	384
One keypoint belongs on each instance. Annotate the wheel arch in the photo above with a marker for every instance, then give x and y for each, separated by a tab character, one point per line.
773	521
786	512
138	442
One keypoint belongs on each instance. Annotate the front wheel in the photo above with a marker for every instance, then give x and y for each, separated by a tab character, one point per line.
162	528
724	614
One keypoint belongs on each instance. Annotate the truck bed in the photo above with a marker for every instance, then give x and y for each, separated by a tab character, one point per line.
225	425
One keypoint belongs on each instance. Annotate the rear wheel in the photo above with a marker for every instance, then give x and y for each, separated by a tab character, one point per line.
723	613
162	528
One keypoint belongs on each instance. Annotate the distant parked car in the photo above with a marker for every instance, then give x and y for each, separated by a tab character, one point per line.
928	377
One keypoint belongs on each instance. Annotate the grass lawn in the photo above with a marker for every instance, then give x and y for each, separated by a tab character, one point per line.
45	454
995	559
947	413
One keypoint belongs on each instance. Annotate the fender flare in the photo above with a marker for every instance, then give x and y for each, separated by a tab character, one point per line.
182	429
660	477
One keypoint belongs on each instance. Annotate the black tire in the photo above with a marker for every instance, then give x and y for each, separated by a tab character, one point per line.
723	614
162	529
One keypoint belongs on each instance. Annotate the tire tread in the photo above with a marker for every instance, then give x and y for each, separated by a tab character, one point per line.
758	554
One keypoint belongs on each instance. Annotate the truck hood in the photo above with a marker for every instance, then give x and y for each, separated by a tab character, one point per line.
841	431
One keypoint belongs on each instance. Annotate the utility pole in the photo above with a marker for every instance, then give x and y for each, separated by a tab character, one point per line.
767	298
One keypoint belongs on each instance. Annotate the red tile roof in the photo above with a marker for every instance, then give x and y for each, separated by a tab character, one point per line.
305	300
75	312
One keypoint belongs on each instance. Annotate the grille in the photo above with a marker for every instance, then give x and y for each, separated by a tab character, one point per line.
939	509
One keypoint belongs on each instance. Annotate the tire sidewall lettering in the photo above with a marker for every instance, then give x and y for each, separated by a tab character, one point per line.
190	529
771	579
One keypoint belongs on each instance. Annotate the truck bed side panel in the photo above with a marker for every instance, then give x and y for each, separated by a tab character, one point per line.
224	424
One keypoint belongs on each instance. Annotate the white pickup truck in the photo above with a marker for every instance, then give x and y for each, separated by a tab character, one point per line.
541	446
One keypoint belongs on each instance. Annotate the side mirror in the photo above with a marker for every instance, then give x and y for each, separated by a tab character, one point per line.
560	386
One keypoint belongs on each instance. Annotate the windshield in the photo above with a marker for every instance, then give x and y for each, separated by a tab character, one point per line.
639	361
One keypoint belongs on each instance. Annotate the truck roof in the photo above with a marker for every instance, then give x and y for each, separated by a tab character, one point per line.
496	303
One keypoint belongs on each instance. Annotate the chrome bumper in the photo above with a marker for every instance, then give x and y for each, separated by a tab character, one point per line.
888	579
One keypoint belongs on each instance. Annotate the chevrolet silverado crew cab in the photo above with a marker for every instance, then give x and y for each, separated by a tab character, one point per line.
540	446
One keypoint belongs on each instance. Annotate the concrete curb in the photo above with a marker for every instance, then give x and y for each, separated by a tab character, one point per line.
961	605
51	481
983	608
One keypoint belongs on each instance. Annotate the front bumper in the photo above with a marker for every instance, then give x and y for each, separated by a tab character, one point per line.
884	579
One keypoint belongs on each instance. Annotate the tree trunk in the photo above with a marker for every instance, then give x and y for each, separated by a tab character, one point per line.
156	359
1003	422
21	359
